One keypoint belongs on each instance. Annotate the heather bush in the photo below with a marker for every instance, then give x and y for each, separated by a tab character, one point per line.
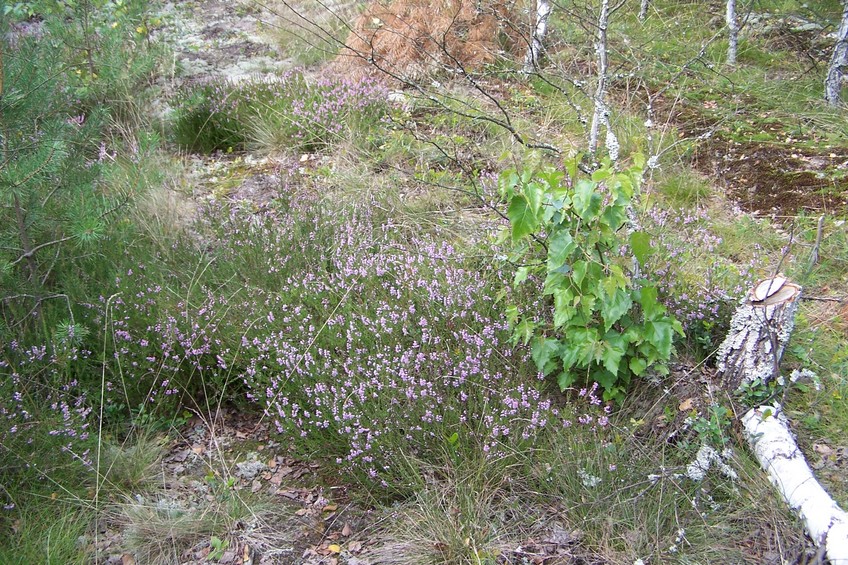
699	284
362	342
285	112
45	424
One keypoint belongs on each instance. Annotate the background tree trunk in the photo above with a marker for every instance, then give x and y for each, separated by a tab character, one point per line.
732	32
537	41
643	10
838	61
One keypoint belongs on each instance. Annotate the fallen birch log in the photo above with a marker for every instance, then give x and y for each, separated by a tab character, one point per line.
768	434
759	332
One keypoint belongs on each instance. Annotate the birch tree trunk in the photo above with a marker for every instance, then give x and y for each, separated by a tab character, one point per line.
537	41
838	61
643	10
759	332
599	115
732	32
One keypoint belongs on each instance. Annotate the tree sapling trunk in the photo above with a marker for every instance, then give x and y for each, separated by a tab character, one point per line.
599	115
838	61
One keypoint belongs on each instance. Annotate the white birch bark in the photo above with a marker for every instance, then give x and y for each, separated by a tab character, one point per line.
759	332
732	32
599	116
838	61
768	434
643	10
537	41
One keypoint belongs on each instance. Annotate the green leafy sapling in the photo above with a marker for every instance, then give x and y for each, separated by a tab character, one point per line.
570	231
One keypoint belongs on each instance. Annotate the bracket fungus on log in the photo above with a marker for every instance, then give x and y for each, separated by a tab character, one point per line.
768	434
759	332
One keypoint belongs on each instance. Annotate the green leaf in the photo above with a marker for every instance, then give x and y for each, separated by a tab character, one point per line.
614	217
553	178
524	331
534	192
506	184
585	340
564	309
572	166
651	307
637	365
640	243
614	351
579	268
544	354
511	314
565	380
520	275
568	354
587	201
601	174
659	334
560	247
614	307
521	216
605	378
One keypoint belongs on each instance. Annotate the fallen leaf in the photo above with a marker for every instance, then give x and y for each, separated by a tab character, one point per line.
335	548
301	512
127	559
272	463
255	486
822	449
331	508
686	405
355	546
346	531
198	449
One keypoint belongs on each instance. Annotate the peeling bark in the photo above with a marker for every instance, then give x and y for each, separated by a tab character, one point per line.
768	434
838	61
534	52
759	332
